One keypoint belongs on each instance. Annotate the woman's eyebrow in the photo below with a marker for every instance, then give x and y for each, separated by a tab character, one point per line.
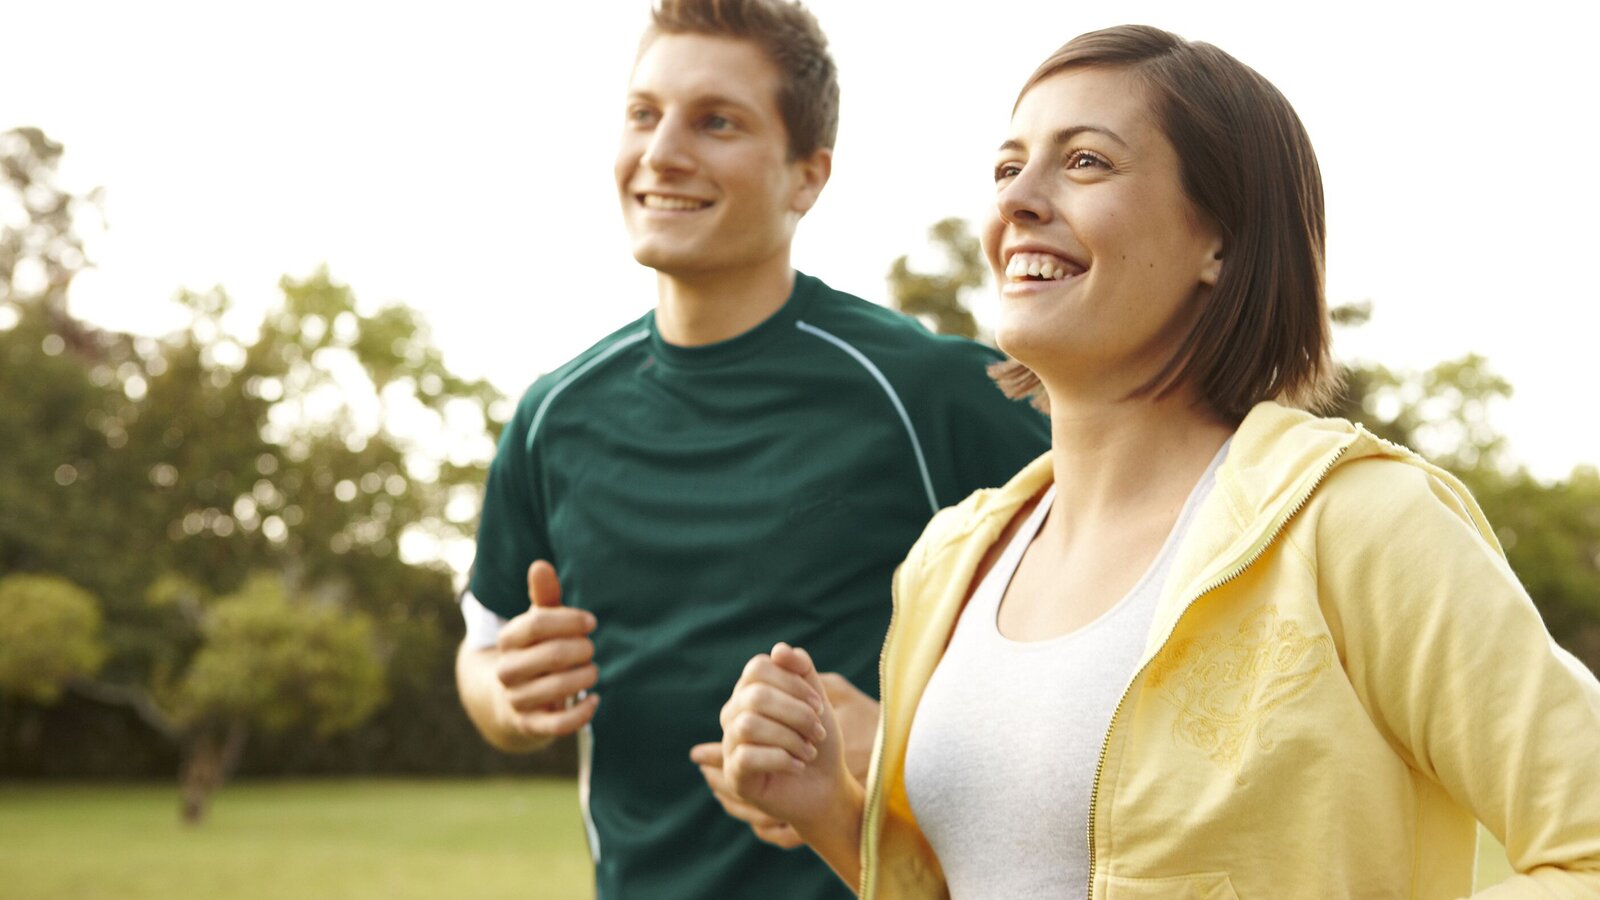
1065	135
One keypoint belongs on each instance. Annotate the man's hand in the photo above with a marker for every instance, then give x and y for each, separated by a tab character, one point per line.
774	831
857	715
546	658
521	693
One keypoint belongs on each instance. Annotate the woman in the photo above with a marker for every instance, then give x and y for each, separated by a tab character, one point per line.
1210	645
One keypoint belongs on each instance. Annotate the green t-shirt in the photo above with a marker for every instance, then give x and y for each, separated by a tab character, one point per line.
707	502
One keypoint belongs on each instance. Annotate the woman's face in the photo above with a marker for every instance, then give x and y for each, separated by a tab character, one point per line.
1102	261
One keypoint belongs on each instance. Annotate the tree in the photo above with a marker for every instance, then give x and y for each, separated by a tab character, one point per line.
1445	412
49	636
40	250
271	661
938	299
177	478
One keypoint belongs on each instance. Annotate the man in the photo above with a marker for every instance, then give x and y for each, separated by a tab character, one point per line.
745	464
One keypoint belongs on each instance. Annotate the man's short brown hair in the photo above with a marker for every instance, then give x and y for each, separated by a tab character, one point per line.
1247	163
788	34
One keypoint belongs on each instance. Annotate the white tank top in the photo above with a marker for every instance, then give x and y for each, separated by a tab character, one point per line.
1004	745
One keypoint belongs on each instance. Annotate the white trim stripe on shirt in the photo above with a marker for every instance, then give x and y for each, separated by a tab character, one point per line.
586	736
894	398
582	370
585	768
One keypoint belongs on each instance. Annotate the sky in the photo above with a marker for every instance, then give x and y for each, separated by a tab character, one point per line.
458	158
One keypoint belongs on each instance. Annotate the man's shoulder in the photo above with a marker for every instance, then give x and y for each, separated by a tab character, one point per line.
589	360
890	337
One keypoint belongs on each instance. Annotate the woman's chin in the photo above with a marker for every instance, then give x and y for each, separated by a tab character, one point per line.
1023	344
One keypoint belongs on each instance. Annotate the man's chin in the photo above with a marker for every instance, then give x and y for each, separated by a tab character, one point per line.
672	262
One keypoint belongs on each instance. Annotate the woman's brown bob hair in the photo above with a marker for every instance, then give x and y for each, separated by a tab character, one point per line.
1247	163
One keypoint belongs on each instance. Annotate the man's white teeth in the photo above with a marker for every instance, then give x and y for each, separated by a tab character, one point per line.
1039	265
657	201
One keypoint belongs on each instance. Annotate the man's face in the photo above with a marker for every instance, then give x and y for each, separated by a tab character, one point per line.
703	171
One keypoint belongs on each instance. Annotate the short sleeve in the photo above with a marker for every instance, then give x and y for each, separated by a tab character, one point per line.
511	530
988	437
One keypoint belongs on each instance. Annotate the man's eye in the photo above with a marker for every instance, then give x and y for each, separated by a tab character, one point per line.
718	123
641	115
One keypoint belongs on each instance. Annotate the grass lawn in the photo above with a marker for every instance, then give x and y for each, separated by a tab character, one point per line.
288	840
296	839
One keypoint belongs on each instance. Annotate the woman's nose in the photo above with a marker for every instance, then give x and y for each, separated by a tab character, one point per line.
1021	200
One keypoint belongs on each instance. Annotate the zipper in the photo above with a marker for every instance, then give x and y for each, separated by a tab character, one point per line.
1235	572
869	843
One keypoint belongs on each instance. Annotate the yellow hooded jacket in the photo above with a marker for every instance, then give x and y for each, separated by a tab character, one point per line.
1343	673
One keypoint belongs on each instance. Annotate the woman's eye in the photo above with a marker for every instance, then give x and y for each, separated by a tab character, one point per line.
1006	171
1085	159
641	115
718	123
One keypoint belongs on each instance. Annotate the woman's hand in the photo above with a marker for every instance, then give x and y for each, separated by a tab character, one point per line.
856	714
783	754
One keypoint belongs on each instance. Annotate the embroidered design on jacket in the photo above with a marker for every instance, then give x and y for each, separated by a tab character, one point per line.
1225	686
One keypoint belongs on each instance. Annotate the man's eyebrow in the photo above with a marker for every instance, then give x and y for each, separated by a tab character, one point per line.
722	100
1066	135
700	102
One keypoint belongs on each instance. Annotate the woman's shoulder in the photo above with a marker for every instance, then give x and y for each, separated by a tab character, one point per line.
1396	489
1395	513
979	516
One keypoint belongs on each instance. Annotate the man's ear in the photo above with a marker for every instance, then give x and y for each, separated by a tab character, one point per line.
814	172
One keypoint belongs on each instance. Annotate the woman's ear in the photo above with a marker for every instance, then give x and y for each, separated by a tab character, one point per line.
1211	268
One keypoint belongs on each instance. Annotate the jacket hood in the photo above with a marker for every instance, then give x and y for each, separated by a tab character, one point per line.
1277	454
1276	460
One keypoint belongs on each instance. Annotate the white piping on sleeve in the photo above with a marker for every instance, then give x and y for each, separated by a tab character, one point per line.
586	735
894	398
582	370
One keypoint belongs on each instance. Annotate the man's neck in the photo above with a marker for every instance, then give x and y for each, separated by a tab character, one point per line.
700	308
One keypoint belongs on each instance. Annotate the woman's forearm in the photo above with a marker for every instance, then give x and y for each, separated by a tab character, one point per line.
836	836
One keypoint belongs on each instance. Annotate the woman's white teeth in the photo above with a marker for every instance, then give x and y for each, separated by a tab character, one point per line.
1038	265
657	201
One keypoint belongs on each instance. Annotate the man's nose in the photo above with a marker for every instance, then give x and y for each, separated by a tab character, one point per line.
669	148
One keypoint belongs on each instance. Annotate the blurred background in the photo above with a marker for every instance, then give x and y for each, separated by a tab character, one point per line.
271	280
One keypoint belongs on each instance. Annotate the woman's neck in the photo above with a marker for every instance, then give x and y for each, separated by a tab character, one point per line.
1126	461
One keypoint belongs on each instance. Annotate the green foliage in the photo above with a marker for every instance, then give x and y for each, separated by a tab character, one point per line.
40	251
280	662
1551	535
1445	412
49	634
161	473
938	298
